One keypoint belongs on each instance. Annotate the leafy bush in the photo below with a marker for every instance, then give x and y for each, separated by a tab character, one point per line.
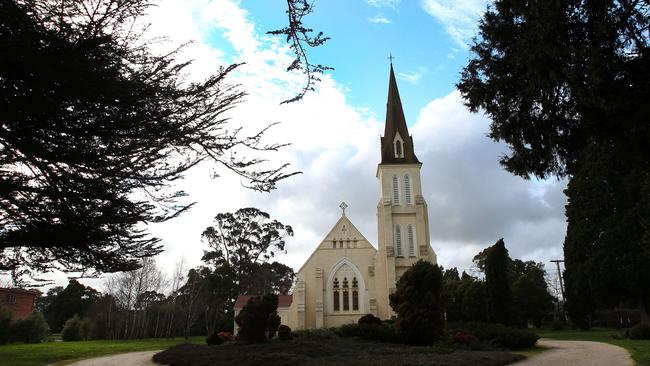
318	334
461	337
640	331
33	329
213	339
258	319
5	325
418	304
72	329
284	332
369	319
499	335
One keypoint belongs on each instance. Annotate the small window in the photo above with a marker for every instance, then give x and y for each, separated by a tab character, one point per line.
398	240
411	241
346	300
407	189
11	299
334	244
395	190
355	283
398	149
355	300
337	305
336	283
345	282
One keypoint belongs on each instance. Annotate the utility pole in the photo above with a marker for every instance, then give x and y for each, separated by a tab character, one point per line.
559	276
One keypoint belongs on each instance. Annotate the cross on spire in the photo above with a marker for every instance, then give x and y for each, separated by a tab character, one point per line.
343	206
391	58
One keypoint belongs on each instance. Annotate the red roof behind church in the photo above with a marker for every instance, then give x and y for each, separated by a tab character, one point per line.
284	301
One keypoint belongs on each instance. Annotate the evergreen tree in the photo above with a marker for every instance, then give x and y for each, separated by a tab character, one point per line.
95	128
531	301
75	299
566	84
496	280
417	301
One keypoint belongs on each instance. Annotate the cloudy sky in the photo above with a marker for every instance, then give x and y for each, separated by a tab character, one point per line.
334	132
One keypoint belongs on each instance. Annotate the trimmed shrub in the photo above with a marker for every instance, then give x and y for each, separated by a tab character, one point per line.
640	331
369	319
5	325
72	329
499	335
33	329
347	330
272	324
317	334
379	332
284	332
418	303
86	328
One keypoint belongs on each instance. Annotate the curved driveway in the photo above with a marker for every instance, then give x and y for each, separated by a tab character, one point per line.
578	353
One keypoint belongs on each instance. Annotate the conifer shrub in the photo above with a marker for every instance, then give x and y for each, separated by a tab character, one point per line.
640	331
258	320
418	304
284	333
369	319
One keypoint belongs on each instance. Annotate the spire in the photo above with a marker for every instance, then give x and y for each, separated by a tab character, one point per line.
395	130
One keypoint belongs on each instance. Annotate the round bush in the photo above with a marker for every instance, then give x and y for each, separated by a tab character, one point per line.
369	319
284	332
72	329
640	331
33	329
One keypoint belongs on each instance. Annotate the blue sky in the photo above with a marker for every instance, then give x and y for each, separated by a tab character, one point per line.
428	58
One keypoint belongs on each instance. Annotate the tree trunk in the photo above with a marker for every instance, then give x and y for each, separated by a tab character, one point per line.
643	310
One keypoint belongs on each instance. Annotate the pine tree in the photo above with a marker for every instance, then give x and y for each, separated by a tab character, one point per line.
496	279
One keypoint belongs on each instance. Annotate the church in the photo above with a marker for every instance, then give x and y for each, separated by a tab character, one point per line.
346	276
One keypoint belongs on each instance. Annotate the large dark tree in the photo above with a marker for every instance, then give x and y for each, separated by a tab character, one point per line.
531	301
94	128
497	284
566	84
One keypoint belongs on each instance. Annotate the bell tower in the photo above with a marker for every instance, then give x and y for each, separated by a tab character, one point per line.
402	216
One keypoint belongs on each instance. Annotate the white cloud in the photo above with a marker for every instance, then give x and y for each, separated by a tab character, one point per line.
459	17
380	19
413	77
384	3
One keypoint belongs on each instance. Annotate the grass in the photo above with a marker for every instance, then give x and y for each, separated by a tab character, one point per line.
63	353
639	349
328	352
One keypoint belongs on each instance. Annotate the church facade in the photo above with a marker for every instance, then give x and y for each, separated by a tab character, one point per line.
346	277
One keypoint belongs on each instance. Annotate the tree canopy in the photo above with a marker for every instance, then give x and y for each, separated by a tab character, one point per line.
95	127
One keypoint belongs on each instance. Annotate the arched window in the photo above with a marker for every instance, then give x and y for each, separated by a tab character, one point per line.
337	303
346	295
398	240
407	189
355	294
398	149
411	238
333	243
395	190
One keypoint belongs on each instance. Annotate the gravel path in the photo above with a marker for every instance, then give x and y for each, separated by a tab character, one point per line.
578	353
124	359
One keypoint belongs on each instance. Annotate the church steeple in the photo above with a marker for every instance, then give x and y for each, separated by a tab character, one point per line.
397	143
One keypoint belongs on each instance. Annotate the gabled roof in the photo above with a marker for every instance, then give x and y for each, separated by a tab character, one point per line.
284	301
396	123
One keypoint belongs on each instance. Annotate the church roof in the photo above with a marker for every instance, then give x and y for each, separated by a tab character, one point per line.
396	123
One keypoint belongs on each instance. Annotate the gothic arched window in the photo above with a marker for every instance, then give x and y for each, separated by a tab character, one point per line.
346	295
407	189
398	149
411	238
398	240
395	190
355	294
337	302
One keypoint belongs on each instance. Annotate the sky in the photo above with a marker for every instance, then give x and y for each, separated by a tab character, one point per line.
334	132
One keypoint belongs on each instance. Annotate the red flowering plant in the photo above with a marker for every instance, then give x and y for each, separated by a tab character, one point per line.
464	338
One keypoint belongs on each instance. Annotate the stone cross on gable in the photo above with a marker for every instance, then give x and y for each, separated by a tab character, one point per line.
343	206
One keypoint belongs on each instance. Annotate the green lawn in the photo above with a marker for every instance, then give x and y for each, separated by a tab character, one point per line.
639	349
64	352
